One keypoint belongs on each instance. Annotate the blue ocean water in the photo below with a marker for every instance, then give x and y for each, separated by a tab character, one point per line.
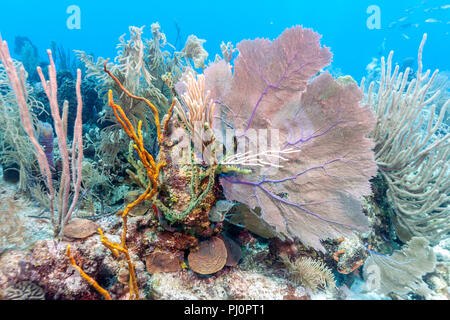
342	23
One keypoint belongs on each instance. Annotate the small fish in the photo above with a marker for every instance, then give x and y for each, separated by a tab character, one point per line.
447	6
432	20
393	23
402	19
431	9
405	36
405	26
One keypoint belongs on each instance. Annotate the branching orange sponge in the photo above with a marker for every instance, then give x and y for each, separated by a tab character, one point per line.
86	277
152	168
115	249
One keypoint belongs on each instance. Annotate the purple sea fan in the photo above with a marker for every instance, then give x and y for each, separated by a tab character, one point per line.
316	194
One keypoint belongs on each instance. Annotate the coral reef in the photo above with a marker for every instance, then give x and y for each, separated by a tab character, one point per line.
251	177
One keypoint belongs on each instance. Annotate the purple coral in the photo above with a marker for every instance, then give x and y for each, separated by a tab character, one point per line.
315	195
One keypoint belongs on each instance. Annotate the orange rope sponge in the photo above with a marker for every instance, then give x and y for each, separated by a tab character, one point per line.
152	169
94	283
149	104
115	247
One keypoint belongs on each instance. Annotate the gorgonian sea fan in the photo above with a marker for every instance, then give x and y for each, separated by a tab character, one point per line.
316	194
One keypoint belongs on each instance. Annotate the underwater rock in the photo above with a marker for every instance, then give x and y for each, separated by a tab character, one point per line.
209	258
220	209
51	270
176	240
234	252
164	261
235	284
181	175
80	228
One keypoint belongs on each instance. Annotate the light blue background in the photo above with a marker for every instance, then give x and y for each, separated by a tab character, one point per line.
341	22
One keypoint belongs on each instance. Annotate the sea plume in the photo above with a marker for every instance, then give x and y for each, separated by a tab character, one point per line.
315	194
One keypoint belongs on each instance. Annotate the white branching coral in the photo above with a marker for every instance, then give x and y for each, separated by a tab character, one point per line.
411	151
